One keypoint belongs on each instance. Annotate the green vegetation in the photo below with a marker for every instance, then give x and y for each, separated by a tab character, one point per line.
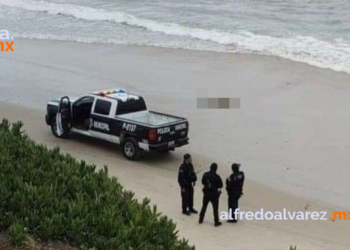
52	196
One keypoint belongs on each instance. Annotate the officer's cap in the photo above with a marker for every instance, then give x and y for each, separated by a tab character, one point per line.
236	165
214	166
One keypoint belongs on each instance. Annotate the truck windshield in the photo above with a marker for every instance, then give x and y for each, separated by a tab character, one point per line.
130	106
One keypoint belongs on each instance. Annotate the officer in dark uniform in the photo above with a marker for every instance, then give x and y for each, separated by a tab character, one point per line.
212	189
187	179
234	187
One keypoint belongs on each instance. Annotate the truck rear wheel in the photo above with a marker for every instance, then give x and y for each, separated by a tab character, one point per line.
164	151
131	149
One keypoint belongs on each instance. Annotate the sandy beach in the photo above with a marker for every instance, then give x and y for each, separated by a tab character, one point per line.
290	133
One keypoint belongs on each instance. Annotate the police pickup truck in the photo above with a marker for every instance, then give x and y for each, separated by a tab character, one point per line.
118	117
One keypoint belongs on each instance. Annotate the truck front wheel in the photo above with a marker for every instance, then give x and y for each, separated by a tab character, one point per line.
65	135
131	149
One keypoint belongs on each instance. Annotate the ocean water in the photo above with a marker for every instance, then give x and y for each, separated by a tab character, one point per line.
316	32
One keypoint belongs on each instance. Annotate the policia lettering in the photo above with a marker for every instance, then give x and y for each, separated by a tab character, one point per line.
187	179
234	188
212	183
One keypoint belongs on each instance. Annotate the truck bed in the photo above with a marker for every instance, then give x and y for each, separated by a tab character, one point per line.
151	119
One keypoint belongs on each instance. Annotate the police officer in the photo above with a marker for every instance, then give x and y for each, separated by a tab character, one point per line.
187	179
234	187
212	189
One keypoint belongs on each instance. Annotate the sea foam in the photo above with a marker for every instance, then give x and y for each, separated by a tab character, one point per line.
325	54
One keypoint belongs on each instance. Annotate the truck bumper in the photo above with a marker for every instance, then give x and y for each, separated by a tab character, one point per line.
168	146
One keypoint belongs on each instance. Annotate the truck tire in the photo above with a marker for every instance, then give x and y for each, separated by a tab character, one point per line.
131	149
53	129
164	151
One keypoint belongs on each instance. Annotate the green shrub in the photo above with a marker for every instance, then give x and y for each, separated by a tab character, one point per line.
17	233
55	197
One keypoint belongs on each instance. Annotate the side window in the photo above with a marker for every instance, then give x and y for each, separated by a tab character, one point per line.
85	102
102	107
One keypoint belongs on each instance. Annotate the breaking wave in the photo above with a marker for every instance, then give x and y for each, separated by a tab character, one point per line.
326	54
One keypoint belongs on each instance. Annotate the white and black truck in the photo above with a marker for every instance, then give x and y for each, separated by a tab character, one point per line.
118	117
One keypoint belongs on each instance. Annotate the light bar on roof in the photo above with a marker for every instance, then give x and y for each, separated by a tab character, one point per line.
110	91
